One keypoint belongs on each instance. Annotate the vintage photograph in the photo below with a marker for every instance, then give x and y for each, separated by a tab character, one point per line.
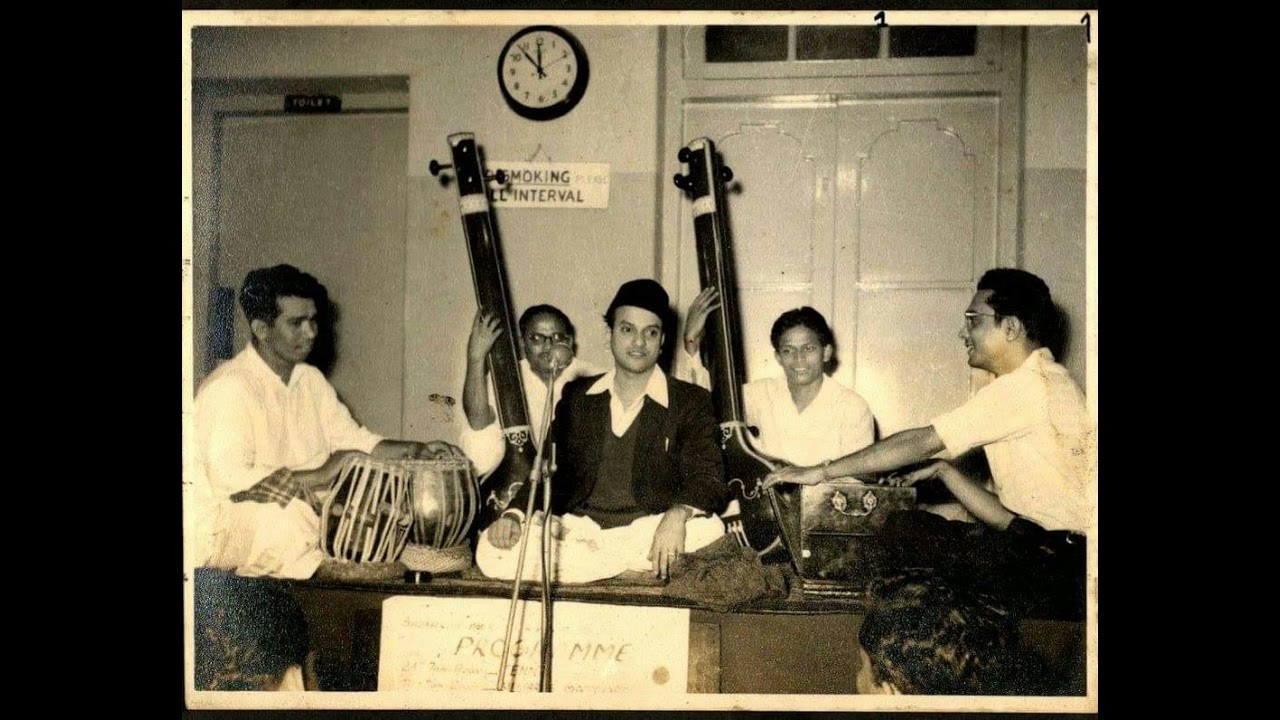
623	360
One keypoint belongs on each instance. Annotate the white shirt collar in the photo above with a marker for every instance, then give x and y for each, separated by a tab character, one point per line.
261	367
1039	356
656	388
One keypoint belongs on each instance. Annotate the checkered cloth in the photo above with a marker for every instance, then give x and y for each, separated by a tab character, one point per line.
279	487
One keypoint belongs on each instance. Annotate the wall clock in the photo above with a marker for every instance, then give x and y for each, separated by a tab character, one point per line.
542	72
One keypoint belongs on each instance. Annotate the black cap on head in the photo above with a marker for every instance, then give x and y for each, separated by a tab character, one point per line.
643	293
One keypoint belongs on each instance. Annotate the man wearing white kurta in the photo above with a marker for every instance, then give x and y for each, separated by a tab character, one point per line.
547	336
805	417
270	432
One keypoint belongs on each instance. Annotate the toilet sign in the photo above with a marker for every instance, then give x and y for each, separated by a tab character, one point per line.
447	643
550	185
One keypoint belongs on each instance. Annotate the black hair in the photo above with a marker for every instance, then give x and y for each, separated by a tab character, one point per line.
1020	294
809	318
263	287
248	632
928	637
801	317
528	316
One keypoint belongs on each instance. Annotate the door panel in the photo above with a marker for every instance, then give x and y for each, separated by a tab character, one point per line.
917	202
911	362
880	213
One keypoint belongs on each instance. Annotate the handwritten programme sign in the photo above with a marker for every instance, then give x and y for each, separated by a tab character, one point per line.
436	643
550	185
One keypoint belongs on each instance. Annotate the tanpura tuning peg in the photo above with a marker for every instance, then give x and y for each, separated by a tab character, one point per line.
725	173
684	155
682	182
436	167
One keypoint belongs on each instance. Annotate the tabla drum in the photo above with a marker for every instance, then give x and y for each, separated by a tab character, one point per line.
446	500
368	514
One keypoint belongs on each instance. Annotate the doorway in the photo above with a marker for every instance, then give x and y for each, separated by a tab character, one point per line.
326	193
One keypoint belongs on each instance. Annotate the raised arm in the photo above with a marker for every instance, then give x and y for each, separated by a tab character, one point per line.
475	389
695	321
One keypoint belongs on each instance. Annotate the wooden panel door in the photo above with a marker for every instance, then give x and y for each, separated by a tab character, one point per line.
779	211
881	213
917	201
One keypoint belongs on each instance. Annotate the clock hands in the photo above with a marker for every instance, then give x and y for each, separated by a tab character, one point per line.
536	64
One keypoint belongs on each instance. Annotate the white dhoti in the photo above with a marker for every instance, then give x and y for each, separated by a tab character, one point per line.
264	539
585	552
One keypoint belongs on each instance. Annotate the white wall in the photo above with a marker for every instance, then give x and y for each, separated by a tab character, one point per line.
574	259
325	193
571	258
1053	180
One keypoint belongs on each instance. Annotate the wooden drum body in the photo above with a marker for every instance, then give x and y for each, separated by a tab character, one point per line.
368	514
417	512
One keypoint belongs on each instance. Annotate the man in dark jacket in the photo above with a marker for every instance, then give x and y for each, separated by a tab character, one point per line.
639	475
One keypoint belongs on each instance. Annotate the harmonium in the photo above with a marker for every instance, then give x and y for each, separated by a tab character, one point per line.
835	531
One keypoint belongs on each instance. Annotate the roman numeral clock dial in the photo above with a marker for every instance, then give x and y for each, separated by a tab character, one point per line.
542	72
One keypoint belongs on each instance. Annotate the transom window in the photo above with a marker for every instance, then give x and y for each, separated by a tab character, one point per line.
764	51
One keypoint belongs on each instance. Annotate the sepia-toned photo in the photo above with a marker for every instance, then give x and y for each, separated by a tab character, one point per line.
639	360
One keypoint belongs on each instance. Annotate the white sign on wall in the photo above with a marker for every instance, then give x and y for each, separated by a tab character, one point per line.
550	185
437	643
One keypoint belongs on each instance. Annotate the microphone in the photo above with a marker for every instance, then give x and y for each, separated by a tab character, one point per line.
561	355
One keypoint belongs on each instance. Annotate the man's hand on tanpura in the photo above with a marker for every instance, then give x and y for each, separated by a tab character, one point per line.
695	321
668	540
484	333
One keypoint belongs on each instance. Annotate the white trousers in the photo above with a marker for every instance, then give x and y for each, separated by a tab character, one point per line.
585	552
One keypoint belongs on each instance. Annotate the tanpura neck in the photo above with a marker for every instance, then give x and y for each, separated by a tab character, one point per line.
804	395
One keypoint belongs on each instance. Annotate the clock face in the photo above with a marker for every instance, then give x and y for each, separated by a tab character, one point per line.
542	72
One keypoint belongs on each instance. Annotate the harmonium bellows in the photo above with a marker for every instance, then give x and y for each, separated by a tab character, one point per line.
839	522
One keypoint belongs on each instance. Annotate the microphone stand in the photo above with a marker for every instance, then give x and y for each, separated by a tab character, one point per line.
537	475
544	680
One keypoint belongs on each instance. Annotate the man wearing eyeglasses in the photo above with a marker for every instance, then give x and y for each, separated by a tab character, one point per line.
547	337
1031	421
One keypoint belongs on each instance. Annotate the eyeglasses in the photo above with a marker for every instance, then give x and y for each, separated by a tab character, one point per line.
538	339
971	318
808	349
